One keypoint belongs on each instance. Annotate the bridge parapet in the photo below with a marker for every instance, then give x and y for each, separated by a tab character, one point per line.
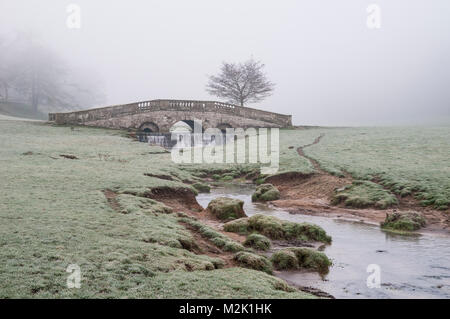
173	105
104	113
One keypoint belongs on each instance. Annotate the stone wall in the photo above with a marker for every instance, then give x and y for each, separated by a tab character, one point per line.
165	113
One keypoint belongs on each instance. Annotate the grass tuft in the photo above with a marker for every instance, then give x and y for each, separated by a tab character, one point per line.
257	241
409	221
300	257
218	239
265	192
363	194
226	208
275	228
253	261
131	204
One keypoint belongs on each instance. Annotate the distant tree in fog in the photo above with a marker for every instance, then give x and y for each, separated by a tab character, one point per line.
7	75
38	75
241	83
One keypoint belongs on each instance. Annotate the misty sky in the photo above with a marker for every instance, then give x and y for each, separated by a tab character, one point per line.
328	66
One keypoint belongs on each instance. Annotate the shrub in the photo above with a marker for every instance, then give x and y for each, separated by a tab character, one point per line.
226	208
253	261
257	241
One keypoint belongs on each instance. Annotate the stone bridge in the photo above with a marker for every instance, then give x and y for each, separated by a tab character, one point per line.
161	115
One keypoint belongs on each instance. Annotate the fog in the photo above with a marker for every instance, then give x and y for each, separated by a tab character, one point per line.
328	66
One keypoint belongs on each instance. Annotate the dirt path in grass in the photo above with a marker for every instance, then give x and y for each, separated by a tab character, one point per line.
112	201
311	160
311	194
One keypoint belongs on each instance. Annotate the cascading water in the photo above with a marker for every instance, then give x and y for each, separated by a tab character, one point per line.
181	139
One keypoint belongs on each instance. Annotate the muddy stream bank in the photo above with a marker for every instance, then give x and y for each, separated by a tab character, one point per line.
411	266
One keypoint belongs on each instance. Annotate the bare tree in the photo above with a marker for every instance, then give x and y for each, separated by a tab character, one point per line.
241	83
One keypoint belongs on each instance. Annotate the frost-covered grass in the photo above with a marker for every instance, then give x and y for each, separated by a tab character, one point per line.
362	194
218	239
290	140
54	213
257	241
406	160
253	261
301	257
276	228
221	283
289	160
408	221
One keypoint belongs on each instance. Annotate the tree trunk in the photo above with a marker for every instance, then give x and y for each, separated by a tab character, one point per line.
5	92
34	96
34	103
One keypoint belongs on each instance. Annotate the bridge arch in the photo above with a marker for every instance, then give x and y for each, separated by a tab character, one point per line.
223	127
149	127
188	124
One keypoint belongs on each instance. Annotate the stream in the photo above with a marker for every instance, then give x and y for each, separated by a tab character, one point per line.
410	266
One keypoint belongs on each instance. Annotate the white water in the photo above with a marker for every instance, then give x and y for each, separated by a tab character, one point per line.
182	140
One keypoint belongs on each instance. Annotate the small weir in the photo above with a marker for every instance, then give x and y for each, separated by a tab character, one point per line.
181	139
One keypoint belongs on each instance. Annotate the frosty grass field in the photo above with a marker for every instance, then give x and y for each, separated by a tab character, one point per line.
54	212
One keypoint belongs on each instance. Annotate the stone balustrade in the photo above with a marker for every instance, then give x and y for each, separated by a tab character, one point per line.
214	107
